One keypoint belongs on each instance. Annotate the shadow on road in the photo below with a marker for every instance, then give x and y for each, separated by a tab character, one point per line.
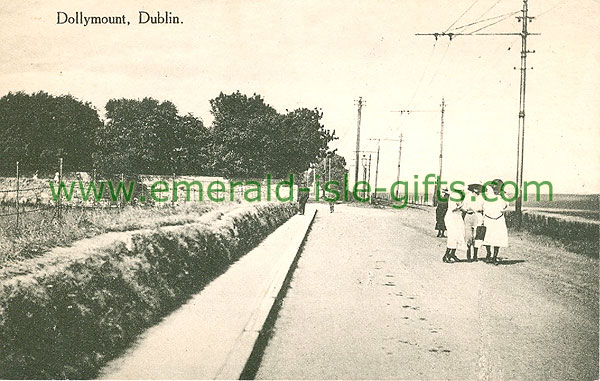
510	261
501	262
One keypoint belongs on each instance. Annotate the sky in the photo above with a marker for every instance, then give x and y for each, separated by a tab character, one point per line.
327	54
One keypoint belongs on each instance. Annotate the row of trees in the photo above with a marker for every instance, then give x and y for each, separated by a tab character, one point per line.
247	139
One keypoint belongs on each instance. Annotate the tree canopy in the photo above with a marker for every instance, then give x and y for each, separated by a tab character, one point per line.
38	129
247	138
332	171
150	137
251	139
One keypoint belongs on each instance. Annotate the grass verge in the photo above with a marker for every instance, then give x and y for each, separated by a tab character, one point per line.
42	231
67	320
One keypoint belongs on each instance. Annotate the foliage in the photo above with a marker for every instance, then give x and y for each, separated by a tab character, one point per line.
41	231
337	172
38	129
150	137
67	319
577	235
253	139
248	138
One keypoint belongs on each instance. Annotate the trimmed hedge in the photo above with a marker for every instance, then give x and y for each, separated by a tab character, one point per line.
68	320
577	235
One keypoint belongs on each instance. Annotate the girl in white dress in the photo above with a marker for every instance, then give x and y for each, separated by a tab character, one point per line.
455	228
496	235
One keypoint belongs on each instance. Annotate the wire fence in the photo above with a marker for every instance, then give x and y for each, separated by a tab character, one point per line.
24	195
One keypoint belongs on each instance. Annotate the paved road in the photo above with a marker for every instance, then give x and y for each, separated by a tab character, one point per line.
371	299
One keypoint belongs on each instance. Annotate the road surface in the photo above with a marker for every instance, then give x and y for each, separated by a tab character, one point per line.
371	299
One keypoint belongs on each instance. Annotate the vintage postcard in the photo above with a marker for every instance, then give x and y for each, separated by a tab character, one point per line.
284	189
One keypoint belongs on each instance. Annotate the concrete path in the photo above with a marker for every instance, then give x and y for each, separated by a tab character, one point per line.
371	299
213	335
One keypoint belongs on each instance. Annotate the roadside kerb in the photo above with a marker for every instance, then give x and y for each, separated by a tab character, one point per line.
240	354
214	334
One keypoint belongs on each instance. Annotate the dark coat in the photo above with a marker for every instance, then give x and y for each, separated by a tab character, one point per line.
440	213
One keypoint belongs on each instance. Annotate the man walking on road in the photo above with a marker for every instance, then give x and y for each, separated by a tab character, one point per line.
302	199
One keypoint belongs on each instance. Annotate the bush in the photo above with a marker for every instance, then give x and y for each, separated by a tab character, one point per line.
67	320
577	235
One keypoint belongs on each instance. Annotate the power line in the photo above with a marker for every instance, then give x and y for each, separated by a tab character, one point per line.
437	70
524	19
488	19
558	5
494	23
459	17
360	104
489	9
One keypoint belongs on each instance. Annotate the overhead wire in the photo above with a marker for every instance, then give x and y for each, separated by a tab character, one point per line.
558	5
442	59
417	88
481	21
488	10
459	17
494	23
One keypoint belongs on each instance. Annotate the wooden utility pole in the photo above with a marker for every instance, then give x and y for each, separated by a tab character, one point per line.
442	137
360	105
435	189
369	171
376	170
524	19
364	164
443	110
521	134
399	160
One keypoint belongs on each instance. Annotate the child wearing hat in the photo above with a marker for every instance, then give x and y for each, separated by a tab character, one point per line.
473	216
440	213
496	235
456	228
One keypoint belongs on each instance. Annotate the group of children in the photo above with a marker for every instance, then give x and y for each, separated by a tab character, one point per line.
473	222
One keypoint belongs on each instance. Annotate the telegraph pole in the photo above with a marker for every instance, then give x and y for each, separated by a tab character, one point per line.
360	105
441	151
364	164
399	159
524	19
443	110
442	137
376	169
521	134
369	175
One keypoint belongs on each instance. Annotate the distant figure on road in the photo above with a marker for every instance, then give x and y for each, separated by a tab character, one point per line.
302	199
440	213
331	207
473	209
456	231
496	234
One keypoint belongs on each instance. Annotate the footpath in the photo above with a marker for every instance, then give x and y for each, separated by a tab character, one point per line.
213	335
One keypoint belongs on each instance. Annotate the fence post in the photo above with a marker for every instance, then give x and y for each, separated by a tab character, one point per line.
60	175
174	191
121	195
17	198
94	182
